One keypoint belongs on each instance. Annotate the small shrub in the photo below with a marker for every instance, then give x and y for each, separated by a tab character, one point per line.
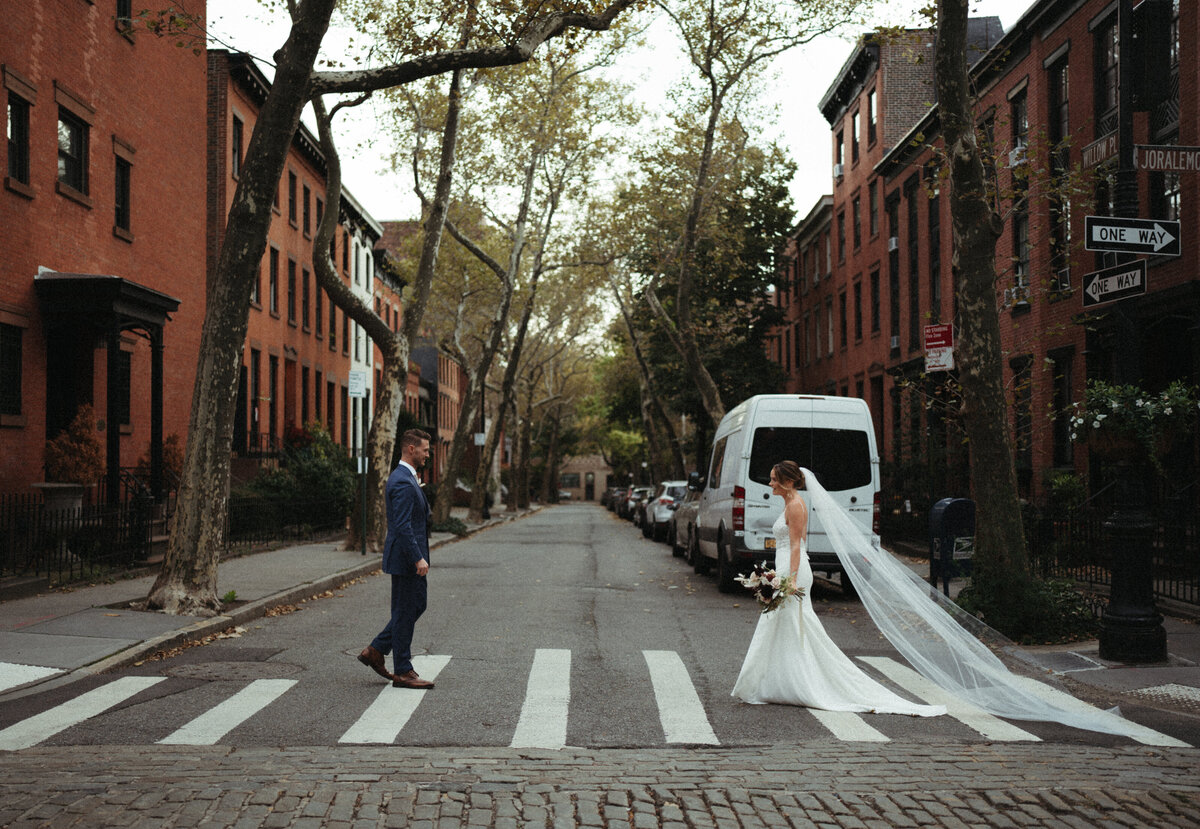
229	598
75	455
1055	612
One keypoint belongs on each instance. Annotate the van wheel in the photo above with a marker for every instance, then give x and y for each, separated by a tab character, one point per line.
725	571
849	591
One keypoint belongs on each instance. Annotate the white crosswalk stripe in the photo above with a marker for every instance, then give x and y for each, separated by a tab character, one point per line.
45	725
544	711
218	721
543	722
848	726
974	717
390	712
13	674
679	707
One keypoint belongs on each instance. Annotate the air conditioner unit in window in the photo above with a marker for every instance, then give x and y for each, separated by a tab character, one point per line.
893	243
895	342
1064	279
839	170
1016	156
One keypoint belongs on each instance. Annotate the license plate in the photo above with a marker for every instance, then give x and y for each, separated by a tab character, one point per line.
769	544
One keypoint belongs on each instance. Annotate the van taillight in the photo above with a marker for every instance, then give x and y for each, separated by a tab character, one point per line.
739	508
875	516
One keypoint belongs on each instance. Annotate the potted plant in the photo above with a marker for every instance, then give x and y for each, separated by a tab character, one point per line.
1120	421
74	459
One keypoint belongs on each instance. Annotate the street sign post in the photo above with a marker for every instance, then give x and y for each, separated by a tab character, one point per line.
939	347
1159	237
1115	283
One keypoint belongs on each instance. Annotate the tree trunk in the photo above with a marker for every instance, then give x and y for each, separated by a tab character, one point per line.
458	448
1001	572
187	583
550	479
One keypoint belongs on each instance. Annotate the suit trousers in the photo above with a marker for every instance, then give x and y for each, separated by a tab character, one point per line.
409	596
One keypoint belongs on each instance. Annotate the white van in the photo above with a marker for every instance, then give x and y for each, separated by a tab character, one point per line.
832	436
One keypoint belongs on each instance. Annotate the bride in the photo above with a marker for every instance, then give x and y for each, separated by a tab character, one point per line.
791	659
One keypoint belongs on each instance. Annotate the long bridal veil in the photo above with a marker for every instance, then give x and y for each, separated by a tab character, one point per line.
921	624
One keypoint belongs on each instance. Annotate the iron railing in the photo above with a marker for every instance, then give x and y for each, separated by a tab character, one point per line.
71	544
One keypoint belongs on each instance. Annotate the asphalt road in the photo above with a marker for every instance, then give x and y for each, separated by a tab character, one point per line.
566	628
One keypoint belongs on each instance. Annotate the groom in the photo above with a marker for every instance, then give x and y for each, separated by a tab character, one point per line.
406	559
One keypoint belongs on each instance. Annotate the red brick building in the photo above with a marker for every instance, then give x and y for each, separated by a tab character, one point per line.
300	348
102	247
1047	98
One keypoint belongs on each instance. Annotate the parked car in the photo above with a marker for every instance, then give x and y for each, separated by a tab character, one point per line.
633	501
682	525
608	497
659	507
619	494
832	436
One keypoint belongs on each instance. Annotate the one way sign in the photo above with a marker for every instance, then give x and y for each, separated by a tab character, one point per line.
1154	236
1116	283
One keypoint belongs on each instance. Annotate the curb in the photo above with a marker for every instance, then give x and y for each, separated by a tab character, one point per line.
254	610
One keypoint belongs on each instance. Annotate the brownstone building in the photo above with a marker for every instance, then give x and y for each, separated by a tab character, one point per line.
102	241
1048	107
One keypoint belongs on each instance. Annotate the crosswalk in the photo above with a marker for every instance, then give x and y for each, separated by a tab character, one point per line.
545	711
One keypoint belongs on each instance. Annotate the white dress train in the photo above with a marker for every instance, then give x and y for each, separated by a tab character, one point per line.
792	660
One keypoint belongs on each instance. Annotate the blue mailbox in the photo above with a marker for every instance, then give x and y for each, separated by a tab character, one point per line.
951	540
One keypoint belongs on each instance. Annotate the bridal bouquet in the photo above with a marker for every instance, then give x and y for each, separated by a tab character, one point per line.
768	587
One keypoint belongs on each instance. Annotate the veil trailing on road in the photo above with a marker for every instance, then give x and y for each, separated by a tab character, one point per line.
927	629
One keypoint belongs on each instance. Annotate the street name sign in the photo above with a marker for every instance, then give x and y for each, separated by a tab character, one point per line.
1100	150
1166	158
1115	283
939	347
1154	236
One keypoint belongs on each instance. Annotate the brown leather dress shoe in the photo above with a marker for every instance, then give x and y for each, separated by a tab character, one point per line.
373	659
411	680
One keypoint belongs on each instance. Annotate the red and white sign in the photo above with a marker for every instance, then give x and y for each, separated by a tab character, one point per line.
939	347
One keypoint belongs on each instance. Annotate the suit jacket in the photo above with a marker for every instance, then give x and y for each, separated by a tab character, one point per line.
408	519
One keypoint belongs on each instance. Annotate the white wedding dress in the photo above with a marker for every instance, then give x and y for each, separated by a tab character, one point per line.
792	660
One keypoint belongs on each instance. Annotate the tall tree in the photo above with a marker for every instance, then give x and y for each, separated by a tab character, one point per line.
1000	580
187	583
729	43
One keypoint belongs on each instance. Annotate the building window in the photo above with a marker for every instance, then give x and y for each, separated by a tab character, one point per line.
291	291
842	316
307	211
1165	191
873	208
255	395
893	214
235	161
10	369
332	325
272	396
345	252
807	339
292	198
18	138
304	298
345	333
304	395
875	302
318	390
319	312
1020	259
273	283
72	151
858	318
841	232
1064	381
1059	200
256	288
840	156
1106	75
854	128
856	211
935	258
829	323
1022	408
124	16
872	116
122	192
911	191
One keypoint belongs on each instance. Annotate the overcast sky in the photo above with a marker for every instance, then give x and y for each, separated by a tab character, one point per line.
804	76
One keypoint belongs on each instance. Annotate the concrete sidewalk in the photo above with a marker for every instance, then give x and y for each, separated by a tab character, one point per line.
56	637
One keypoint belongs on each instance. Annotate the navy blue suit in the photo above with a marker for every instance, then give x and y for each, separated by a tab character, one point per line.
407	543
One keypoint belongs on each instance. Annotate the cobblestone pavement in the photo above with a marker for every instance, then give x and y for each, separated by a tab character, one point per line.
822	785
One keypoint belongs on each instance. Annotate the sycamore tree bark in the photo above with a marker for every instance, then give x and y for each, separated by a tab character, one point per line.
1001	572
187	583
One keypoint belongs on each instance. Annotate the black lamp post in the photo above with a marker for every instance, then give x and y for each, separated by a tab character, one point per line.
1131	628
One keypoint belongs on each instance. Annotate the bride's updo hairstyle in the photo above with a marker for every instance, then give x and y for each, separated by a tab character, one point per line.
789	471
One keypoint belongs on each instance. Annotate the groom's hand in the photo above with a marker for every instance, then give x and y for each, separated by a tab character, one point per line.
422	567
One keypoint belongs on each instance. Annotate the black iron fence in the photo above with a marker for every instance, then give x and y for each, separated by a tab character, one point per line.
85	542
74	543
1075	545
